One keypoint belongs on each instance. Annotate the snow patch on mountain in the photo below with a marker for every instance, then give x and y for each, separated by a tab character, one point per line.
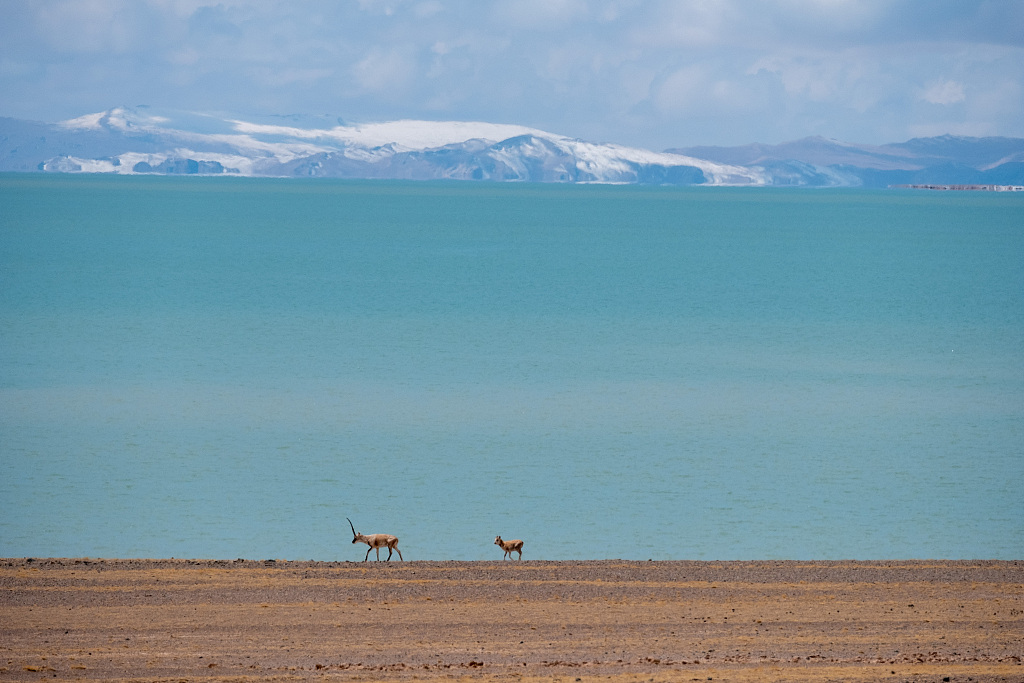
404	135
87	122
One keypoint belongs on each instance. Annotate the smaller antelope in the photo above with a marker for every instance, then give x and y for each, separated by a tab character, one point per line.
509	546
376	541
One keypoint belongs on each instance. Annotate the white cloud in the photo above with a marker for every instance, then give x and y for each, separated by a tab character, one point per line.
850	80
944	92
89	25
385	70
542	15
815	77
185	56
654	73
682	90
283	77
692	23
428	9
386	7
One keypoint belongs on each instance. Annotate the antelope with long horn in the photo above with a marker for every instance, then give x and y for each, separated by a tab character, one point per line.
509	546
376	541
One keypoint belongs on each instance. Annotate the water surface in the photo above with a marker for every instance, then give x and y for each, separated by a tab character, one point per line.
226	367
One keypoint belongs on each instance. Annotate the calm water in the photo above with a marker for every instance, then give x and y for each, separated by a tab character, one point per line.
228	368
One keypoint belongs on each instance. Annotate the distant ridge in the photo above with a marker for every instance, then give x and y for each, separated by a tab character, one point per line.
141	140
945	160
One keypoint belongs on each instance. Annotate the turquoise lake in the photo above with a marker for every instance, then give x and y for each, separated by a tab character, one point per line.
230	367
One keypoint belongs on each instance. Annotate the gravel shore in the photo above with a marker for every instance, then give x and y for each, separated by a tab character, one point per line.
266	620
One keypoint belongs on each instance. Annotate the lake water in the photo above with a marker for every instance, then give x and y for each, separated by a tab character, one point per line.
228	367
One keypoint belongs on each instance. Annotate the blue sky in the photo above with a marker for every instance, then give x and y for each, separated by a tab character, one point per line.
648	73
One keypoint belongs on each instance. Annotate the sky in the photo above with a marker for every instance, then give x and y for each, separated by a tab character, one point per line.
656	74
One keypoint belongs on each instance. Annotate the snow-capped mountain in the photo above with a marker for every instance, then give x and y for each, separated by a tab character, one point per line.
133	141
144	141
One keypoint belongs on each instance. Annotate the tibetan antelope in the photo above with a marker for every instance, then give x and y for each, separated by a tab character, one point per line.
509	546
376	541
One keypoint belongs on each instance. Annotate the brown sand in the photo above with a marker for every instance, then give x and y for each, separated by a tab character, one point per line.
181	620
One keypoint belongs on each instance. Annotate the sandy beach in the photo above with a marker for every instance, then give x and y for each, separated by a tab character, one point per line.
265	620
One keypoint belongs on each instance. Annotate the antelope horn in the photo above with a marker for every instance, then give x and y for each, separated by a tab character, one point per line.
354	534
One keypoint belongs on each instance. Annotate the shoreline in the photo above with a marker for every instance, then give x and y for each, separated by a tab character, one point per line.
618	620
249	562
962	188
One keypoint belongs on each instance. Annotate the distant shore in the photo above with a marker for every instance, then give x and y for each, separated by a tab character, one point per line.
971	188
267	620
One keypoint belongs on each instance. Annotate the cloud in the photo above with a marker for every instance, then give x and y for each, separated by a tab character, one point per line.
428	9
944	92
97	26
691	24
682	89
385	70
656	73
283	77
540	15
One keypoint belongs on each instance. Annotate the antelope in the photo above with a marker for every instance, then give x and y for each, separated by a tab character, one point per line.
376	541
509	546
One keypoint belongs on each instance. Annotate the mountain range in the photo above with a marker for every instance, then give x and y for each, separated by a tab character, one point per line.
141	140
